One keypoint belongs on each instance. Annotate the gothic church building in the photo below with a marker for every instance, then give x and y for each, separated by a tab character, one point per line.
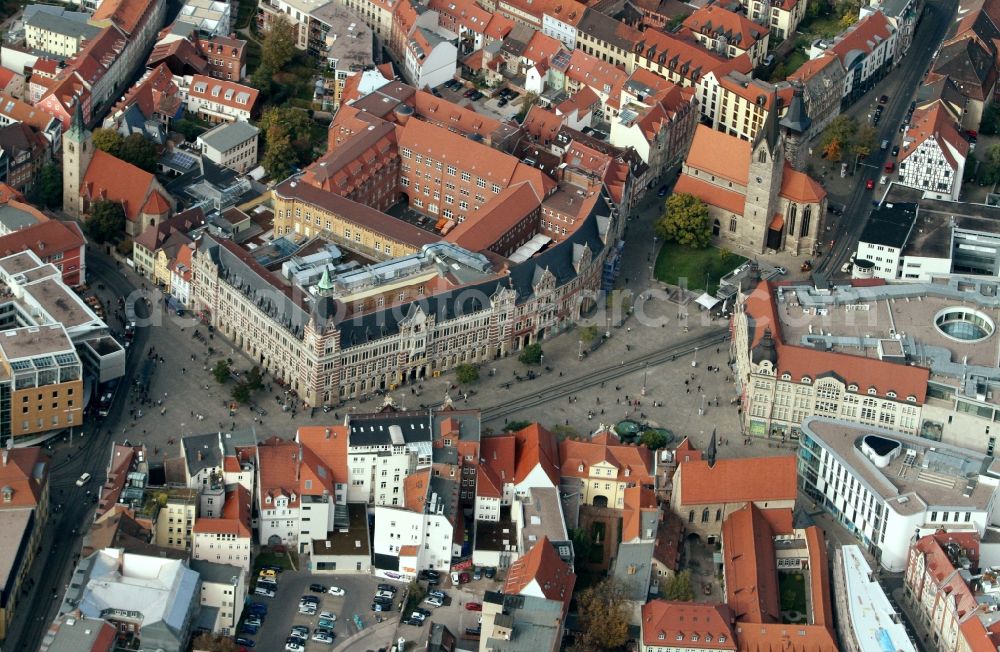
758	201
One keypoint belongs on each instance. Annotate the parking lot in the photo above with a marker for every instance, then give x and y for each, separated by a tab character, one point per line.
454	613
485	105
283	608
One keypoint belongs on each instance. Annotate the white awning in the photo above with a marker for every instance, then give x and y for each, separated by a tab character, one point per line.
707	301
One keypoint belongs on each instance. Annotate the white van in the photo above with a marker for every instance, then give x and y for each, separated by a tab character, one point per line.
261	591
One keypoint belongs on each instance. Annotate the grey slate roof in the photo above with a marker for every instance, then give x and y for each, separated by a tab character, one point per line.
633	566
228	135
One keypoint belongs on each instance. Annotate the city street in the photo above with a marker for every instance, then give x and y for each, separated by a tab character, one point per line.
900	85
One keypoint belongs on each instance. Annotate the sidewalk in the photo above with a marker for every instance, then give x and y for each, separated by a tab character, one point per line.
377	636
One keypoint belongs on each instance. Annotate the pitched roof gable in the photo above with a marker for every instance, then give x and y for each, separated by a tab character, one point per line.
755	479
111	178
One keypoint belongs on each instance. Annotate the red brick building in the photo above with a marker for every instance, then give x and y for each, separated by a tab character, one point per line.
59	243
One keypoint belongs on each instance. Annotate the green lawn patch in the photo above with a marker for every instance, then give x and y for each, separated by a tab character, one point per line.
675	263
792	587
821	27
268	558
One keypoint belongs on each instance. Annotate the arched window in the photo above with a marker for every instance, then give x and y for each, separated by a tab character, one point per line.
718	515
732	224
762	156
704	515
690	515
805	221
792	213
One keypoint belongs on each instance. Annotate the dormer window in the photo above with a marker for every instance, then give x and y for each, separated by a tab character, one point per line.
708	638
806	380
628	472
268	500
680	637
722	638
891	394
661	636
872	391
911	398
580	468
852	388
694	637
7	493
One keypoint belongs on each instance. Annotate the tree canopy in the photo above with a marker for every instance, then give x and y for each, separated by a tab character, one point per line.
685	221
531	354
603	615
653	439
844	137
106	222
107	140
466	374
679	587
221	371
207	642
47	191
138	151
287	141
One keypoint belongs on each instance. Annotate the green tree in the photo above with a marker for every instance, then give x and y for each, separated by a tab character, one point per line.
514	426
864	141
107	140
603	615
138	151
531	354
685	221
47	191
679	587
278	47
588	334
221	371
990	124
653	439
187	128
582	543
241	393
466	374
989	169
106	222
207	642
279	158
254	379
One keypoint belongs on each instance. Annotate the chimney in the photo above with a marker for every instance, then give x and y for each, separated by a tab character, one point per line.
199	456
6	453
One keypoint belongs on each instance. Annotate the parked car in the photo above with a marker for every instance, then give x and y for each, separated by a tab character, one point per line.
433	581
320	637
662	192
768	60
427	574
328	615
309	598
267	572
468	93
885	145
884	99
318	588
425	612
433	601
300	630
473	606
246	642
325	623
895	150
384	594
294	647
255	621
490	572
335	590
247	628
890	166
870	184
386	587
463	578
263	592
476	96
477	574
380	607
415	622
258	608
437	594
307	609
419	616
502	102
473	631
83	479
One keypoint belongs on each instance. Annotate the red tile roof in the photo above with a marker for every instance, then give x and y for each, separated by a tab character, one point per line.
936	123
720	154
278	470
711	194
637	500
750	567
415	488
329	443
44	238
221	91
714	21
541	48
669	540
156	205
801	362
536	447
126	14
235	517
542	566
634	464
753	479
18	471
771	637
686	451
864	35
542	123
483	229
111	178
672	624
496	467
819	578
591	71
800	187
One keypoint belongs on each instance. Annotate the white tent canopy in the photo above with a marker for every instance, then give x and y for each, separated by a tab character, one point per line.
707	301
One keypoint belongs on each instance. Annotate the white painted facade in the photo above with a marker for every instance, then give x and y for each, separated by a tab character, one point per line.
228	597
279	516
884	518
557	29
430	533
220	548
377	472
886	259
929	170
433	68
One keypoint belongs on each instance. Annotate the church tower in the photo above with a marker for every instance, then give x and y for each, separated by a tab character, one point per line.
760	227
794	125
77	151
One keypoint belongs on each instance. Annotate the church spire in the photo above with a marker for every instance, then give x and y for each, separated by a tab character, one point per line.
77	127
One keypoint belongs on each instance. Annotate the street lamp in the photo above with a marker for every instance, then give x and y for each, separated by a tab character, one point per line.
694	363
701	410
70	411
645	370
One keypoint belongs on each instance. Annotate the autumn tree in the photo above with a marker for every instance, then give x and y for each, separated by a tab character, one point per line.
836	138
864	140
221	371
685	221
603	616
588	334
106	222
287	140
276	51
